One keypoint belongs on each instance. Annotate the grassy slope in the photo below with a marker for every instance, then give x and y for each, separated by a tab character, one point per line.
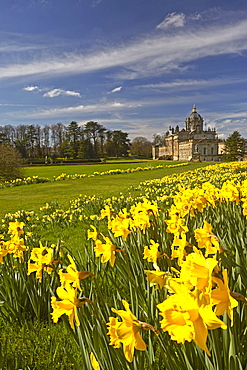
51	171
32	197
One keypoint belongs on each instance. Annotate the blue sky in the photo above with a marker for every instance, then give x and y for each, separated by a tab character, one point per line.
133	65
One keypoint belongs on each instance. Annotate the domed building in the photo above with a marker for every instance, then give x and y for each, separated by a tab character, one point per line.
189	144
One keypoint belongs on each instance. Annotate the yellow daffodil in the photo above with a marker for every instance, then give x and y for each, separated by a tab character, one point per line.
141	212
92	234
107	250
16	228
196	271
72	275
41	259
176	225
206	239
140	221
67	304
126	332
178	248
3	250
120	226
94	362
113	325
222	297
187	316
16	246
106	212
230	191
157	278
151	252
150	208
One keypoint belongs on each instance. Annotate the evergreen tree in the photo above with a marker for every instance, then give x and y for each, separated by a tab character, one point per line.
234	147
72	140
120	142
95	133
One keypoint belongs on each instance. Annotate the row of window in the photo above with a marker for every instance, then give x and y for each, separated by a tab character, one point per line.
205	151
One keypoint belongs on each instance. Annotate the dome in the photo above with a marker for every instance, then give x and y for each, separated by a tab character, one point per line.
194	121
194	115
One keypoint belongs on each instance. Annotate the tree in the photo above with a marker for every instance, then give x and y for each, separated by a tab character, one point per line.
46	140
159	139
121	143
72	139
31	139
10	163
58	132
117	143
95	133
142	147
234	147
21	140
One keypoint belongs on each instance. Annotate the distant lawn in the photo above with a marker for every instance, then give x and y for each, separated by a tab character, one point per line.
88	169
32	197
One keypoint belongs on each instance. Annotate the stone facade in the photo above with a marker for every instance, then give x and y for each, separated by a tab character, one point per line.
189	144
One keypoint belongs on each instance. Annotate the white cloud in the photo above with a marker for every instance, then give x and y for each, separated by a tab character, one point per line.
31	88
101	107
72	93
116	104
56	92
117	89
172	20
151	56
193	84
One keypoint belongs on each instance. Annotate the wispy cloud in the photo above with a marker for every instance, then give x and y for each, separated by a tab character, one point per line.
95	3
150	56
117	89
193	84
100	107
57	92
172	20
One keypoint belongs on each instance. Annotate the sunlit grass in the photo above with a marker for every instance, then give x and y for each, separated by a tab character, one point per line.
32	197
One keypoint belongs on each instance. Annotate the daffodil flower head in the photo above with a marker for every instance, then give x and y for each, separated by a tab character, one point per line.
72	275
41	259
157	278
92	234
107	250
196	271
67	304
126	332
120	226
176	225
106	212
178	248
206	239
187	316
151	252
221	296
16	228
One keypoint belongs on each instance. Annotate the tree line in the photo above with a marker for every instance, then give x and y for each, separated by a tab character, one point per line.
92	140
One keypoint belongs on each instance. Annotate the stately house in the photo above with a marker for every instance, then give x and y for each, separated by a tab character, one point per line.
189	144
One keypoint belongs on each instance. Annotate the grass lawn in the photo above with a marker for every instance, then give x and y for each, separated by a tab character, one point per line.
32	197
88	169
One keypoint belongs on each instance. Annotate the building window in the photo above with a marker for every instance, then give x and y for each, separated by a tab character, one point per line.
212	150
204	151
